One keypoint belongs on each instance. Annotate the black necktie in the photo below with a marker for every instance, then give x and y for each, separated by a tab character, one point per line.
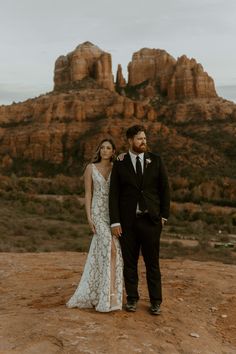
139	170
141	202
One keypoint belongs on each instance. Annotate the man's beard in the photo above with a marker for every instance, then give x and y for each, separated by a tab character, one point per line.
139	149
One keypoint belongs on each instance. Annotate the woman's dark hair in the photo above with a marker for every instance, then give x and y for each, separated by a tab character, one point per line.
97	156
135	129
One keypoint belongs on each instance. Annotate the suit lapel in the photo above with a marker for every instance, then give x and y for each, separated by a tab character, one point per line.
130	167
145	166
129	163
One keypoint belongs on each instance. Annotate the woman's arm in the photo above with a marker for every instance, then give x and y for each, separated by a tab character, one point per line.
88	184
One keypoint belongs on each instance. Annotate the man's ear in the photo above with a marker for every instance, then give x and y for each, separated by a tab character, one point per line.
130	141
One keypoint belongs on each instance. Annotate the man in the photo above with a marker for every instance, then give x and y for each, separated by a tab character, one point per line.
139	203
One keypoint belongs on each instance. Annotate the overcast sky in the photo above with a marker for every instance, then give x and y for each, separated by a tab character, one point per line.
34	33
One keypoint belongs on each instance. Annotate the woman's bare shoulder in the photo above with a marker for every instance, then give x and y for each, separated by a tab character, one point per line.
88	168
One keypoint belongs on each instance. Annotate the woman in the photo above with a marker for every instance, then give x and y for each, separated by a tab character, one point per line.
101	283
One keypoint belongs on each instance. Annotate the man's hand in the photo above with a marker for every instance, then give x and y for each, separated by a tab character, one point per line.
116	231
163	221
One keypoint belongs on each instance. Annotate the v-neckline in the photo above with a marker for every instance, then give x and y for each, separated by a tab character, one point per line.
105	179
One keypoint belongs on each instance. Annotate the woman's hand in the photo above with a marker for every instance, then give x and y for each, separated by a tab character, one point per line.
91	225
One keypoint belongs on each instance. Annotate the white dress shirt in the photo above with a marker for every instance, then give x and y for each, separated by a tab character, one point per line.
133	159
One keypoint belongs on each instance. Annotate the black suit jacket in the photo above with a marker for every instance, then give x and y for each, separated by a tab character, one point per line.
125	190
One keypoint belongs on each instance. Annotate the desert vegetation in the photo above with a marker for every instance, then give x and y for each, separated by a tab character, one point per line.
47	214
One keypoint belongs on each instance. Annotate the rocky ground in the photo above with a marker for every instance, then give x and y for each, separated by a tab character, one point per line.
198	312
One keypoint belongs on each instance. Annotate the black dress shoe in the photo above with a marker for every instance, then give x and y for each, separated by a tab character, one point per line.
155	309
131	306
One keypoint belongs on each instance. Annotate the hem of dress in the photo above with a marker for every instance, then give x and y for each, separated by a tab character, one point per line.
70	306
114	308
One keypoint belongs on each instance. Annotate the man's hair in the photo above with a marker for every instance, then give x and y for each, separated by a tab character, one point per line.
135	129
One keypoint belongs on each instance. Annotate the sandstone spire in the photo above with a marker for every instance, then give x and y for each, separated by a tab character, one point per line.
86	61
189	80
120	80
181	79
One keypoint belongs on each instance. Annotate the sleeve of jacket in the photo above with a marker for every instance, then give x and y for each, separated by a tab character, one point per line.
164	191
114	194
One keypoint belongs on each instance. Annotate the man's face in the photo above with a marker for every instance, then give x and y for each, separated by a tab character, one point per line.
138	143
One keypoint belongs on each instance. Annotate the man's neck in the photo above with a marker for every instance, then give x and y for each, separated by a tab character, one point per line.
135	153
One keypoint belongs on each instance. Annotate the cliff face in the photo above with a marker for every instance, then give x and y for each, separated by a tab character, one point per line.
152	65
189	80
120	80
86	61
55	128
175	80
63	127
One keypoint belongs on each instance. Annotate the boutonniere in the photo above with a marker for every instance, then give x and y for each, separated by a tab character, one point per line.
148	161
121	156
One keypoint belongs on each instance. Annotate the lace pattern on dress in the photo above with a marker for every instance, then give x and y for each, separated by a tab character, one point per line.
101	284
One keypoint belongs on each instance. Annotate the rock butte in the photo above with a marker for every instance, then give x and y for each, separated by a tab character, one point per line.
64	125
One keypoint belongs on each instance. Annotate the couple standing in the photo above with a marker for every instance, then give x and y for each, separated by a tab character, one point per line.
127	204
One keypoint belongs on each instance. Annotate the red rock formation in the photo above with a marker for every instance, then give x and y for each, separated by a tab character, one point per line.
86	61
47	128
155	65
197	110
64	126
189	80
181	79
120	80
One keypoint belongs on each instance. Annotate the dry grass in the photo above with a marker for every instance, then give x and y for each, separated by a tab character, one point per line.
36	226
199	252
32	224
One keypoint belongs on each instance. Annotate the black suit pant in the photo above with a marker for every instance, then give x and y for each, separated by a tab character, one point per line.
143	235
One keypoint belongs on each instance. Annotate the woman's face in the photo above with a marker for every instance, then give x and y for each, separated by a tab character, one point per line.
106	150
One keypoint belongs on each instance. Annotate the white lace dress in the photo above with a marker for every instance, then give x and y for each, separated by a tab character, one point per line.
102	280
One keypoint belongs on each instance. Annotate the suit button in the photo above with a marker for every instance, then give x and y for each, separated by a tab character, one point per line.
141	191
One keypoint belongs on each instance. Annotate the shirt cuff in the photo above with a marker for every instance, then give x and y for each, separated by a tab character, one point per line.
115	224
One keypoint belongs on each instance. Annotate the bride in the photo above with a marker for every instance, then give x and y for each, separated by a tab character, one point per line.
102	280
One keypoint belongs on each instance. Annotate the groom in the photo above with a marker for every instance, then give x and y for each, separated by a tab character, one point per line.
139	203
